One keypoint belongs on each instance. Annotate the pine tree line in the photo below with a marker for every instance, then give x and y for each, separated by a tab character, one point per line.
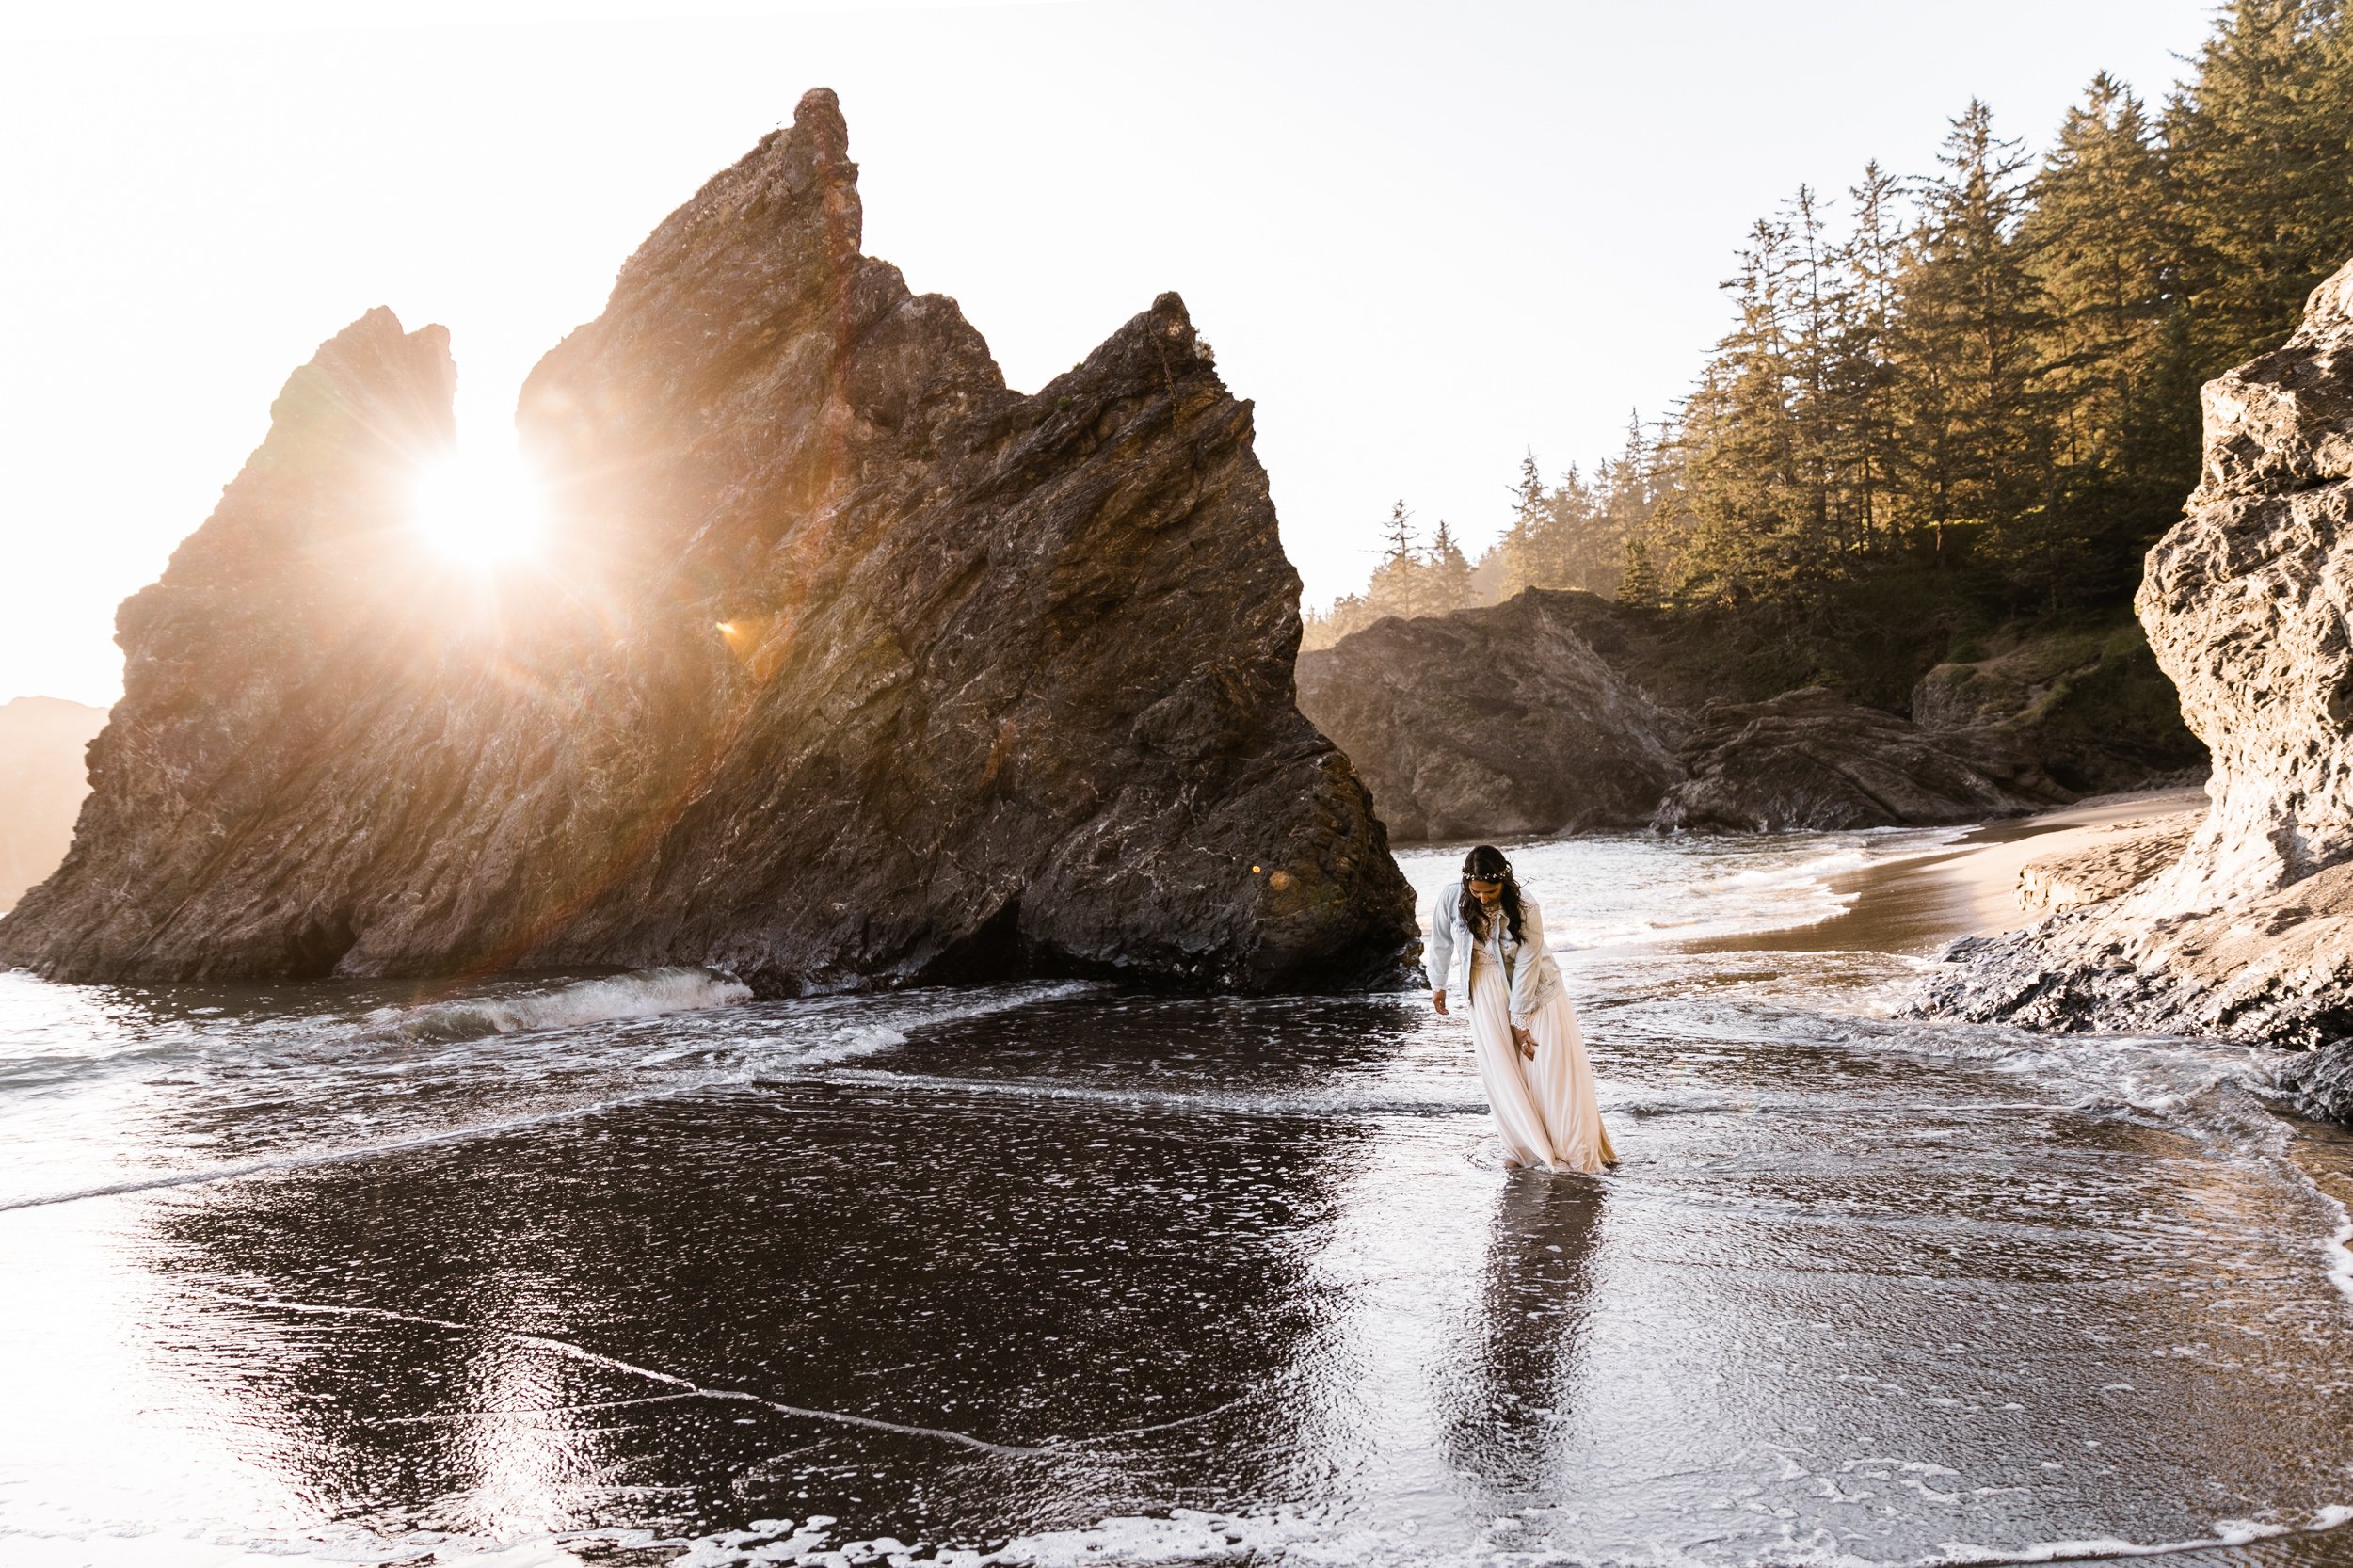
1992	371
1983	381
1411	580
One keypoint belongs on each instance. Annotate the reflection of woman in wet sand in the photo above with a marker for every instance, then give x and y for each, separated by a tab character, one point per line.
1516	1372
1487	941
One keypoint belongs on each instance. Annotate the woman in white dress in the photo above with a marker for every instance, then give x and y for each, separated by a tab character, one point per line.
1487	941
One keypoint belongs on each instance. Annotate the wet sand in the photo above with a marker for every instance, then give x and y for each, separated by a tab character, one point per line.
1049	1274
1915	900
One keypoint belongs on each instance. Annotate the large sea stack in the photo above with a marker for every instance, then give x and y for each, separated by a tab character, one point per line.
848	666
2246	601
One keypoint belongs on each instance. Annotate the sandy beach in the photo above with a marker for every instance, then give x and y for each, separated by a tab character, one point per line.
1917	902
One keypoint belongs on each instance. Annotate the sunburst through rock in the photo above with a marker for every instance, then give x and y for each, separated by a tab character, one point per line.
481	506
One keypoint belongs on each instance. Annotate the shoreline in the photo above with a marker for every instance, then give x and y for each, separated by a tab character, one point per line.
1916	904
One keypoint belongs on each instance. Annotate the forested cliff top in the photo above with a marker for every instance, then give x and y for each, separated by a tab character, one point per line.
1959	401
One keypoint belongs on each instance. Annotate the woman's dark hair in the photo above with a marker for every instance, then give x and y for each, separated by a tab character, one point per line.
1487	864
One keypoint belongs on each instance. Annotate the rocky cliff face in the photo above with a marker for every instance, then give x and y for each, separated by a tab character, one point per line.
42	781
1811	759
1493	722
1556	711
2089	706
848	664
2250	932
2246	601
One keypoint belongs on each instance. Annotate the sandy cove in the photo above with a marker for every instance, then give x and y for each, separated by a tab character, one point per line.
1996	877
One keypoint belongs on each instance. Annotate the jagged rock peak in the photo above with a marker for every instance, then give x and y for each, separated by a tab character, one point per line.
797	184
848	666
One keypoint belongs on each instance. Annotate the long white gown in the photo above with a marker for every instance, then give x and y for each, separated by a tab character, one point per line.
1547	1108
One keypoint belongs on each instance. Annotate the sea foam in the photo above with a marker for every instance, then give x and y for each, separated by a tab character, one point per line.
646	993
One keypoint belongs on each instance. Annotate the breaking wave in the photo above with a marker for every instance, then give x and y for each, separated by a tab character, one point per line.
646	994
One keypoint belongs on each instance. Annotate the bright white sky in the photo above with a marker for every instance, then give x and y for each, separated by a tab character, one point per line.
1421	237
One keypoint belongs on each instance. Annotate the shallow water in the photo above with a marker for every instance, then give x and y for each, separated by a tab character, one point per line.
637	1270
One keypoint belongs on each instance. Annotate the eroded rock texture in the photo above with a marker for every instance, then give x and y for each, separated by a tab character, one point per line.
1493	722
1809	759
2087	707
2246	602
848	664
2250	932
1559	710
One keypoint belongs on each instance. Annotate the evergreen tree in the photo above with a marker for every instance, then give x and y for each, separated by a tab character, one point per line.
1397	537
1559	536
1637	495
1348	613
1740	442
1525	543
1446	577
2105	246
1397	587
2261	151
1970	413
1638	585
1819	510
1588	550
1863	381
1980	399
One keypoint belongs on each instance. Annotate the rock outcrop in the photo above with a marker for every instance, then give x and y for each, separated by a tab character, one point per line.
1561	712
2087	705
41	785
849	665
2246	601
2250	932
1809	759
1493	722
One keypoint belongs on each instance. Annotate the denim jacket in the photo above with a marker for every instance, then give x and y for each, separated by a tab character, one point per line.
1527	964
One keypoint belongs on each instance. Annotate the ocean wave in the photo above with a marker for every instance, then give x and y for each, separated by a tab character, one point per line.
877	1023
646	993
2227	1532
772	1042
2339	1248
338	1545
1807	873
2170	1079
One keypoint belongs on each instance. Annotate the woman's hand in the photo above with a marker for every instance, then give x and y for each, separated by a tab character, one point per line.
1526	1041
1437	1000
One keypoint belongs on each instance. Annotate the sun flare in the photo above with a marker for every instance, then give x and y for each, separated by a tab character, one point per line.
482	505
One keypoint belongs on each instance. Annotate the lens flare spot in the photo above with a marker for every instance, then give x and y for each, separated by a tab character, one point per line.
482	505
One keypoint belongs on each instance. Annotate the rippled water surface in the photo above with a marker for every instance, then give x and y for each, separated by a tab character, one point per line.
635	1269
